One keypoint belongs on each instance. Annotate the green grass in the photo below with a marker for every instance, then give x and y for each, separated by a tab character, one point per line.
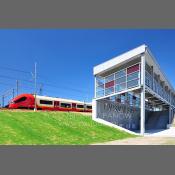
43	128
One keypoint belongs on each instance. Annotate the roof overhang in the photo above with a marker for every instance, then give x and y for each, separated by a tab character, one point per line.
121	59
129	56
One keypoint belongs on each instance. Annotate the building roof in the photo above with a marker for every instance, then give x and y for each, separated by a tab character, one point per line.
108	65
131	55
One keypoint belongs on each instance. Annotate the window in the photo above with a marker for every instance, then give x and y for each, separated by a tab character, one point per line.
133	69
20	100
120	87
109	91
100	93
109	84
120	74
148	79
109	78
100	81
65	105
89	107
121	80
132	83
80	106
46	102
132	76
100	86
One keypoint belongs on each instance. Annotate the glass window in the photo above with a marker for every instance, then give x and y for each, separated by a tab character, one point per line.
109	91
80	106
20	100
89	107
109	78
121	73
132	83
132	76
100	88
133	69
46	102
148	68
120	87
109	84
99	81
65	105
148	79
100	93
121	80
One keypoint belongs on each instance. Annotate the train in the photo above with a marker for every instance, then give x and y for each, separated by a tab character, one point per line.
27	101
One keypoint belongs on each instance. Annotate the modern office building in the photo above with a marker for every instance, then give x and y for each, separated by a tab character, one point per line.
133	93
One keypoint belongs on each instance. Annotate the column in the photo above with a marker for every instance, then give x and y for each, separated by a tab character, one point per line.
170	115
95	88
94	109
152	68
142	107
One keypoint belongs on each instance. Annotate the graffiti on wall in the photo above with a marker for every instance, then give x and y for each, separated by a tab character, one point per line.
122	115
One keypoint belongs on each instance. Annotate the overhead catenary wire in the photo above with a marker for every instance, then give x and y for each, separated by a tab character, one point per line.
52	85
13	69
45	84
39	76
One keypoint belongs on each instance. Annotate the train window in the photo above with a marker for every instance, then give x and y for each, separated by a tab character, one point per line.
46	102
80	106
65	105
20	100
89	107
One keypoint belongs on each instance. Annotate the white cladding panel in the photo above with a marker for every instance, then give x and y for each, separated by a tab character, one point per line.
59	99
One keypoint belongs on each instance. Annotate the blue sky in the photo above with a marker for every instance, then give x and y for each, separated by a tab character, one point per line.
65	58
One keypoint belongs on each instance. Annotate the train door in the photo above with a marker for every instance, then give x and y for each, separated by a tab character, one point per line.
74	105
56	104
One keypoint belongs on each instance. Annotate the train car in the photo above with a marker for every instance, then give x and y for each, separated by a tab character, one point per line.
27	101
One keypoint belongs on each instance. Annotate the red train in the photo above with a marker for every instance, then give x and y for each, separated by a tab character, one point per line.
27	101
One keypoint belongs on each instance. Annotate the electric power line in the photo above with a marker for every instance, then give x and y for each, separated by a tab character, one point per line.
16	70
45	84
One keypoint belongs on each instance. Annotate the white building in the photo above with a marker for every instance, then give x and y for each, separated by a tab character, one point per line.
133	93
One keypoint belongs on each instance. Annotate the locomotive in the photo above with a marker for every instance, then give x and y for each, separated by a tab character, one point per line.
27	101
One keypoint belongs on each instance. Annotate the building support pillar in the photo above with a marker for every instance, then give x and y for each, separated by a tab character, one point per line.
170	115
94	109
142	99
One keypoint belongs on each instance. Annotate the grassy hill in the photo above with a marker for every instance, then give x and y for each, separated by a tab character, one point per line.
43	128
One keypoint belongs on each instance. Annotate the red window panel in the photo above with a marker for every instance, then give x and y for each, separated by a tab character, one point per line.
109	84
133	69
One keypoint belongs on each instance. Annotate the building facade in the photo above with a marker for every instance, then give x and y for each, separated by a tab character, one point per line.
132	92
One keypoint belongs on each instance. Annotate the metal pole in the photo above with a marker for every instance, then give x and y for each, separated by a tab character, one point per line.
17	87
35	108
142	121
2	101
41	89
13	93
